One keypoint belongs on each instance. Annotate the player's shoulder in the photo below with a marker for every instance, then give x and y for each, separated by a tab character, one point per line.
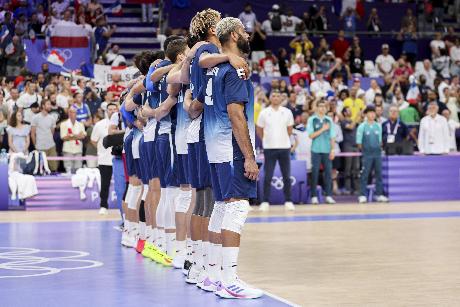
208	48
164	63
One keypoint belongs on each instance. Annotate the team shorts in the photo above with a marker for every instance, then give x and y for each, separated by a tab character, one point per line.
199	171
183	169
151	161
228	181
129	154
166	161
142	169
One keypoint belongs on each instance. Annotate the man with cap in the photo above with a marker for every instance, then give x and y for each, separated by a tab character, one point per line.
369	140
320	85
385	61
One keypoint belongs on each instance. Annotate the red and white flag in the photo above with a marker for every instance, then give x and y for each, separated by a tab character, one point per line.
55	58
69	37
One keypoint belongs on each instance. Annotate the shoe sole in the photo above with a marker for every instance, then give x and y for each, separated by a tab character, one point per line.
226	295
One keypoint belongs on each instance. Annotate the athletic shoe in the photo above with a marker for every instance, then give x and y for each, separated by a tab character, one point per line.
381	199
201	278
314	200
178	262
192	275
119	227
124	237
264	207
140	246
187	265
103	211
330	200
237	289
131	240
147	250
208	285
362	199
289	206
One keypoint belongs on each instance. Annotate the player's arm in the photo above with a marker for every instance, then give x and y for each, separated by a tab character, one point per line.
175	75
160	72
208	60
241	133
196	105
165	107
136	89
185	69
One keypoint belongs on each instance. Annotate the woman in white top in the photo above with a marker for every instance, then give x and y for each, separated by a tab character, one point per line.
64	98
18	134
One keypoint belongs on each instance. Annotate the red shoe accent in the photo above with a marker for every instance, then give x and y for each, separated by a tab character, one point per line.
140	246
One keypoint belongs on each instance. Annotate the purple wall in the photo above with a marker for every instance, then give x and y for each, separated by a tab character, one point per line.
4	187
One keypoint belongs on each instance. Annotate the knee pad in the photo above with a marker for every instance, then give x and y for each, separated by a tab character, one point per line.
235	216
145	191
183	201
200	201
134	197
217	217
127	193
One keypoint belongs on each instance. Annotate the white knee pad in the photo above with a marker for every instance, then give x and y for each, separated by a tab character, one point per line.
145	191
160	214
235	216
136	191
183	201
170	212
128	193
217	217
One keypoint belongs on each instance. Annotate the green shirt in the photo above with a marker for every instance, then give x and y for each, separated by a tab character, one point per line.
409	115
370	137
322	143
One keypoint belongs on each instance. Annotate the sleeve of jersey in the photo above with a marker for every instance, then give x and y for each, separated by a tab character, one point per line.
138	99
127	116
201	94
235	89
209	48
148	84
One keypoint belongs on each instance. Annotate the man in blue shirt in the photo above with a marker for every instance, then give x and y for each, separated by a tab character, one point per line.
229	135
369	140
320	129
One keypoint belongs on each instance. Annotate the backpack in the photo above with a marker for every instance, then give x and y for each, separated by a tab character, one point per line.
276	22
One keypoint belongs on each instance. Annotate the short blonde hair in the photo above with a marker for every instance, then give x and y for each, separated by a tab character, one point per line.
202	22
226	26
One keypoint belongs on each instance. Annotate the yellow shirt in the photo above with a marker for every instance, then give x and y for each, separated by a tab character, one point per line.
297	46
257	109
72	146
356	106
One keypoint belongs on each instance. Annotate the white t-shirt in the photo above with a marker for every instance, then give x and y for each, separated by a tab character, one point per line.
290	23
62	101
320	86
386	62
275	124
455	54
25	101
303	149
101	130
438	44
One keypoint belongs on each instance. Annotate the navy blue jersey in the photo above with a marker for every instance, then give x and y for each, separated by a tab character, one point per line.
167	121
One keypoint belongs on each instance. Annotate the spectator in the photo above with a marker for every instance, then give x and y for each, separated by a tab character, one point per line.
357	62
372	91
294	107
21	26
57	112
369	140
453	126
41	15
433	98
18	134
437	44
15	56
299	70
60	6
257	41
248	18
269	64
116	87
409	47
104	156
340	45
283	62
303	142
355	104
320	86
88	146
102	33
72	133
82	109
351	171
29	102
373	22
308	21
3	134
64	98
290	22
428	73
274	126
455	58
42	131
321	21
267	24
301	44
385	61
11	102
433	138
67	20
349	21
92	100
408	20
450	37
441	63
321	130
394	132
326	61
453	105
88	28
402	72
340	70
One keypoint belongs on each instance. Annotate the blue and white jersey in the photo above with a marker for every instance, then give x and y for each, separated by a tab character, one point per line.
197	77
135	144
224	87
153	98
183	123
167	121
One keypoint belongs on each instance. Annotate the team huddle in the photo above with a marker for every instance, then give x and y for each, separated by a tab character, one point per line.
188	125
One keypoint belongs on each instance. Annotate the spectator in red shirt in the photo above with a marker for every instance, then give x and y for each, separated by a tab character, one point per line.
402	72
268	64
340	45
116	88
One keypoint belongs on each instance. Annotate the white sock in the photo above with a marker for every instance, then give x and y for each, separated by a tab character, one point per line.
155	235
181	248
134	228
197	254
170	243
142	230
161	240
127	226
229	263
205	250
189	250
148	232
215	261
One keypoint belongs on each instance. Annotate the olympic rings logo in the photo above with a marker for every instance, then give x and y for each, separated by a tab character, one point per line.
277	182
30	262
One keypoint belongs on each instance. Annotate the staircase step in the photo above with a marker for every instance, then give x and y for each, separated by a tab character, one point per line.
136	30
123	19
133	51
133	40
133	34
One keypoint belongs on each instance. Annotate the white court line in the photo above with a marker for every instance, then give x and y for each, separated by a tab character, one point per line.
281	299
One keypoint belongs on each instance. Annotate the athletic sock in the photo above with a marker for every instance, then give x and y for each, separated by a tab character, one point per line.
205	251
170	243
215	261
188	256
161	240
142	230
181	248
229	263
197	254
148	233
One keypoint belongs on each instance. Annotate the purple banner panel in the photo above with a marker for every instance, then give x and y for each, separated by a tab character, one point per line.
4	187
422	178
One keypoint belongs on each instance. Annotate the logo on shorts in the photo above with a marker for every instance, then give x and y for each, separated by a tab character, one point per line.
277	182
19	262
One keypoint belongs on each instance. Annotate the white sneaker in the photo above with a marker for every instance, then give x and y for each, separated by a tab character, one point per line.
382	199
237	289
178	262
192	275
362	199
201	278
103	211
208	285
314	200
289	206
124	236
251	208
264	207
330	200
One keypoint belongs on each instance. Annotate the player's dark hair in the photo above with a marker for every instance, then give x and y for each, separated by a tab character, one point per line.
175	48
145	58
169	40
192	40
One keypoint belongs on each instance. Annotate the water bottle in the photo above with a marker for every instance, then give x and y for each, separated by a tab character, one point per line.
3	156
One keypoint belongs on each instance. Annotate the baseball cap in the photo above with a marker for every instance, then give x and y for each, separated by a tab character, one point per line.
356	79
329	52
385	46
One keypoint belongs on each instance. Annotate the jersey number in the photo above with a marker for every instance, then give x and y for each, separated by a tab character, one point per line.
208	97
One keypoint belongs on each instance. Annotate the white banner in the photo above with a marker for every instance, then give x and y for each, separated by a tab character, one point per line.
103	74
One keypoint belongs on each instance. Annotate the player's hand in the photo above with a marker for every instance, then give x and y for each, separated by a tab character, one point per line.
239	64
156	62
251	170
332	155
192	52
325	127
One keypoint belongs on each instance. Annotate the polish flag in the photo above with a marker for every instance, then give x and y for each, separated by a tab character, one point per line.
55	58
116	9
69	37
